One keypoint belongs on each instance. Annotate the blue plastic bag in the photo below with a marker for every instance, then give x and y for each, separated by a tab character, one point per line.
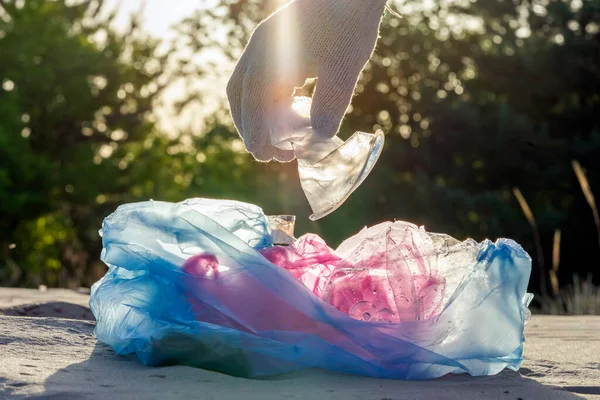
248	317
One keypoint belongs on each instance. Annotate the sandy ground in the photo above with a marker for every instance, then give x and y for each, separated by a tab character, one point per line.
57	357
60	303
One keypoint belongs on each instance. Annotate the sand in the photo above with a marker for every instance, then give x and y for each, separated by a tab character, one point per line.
47	351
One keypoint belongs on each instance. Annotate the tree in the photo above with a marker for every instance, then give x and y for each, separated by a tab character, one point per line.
477	99
78	138
75	102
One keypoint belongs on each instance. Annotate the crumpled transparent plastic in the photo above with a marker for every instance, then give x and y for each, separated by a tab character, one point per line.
191	283
387	273
330	169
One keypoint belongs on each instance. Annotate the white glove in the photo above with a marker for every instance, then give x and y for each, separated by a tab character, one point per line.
331	39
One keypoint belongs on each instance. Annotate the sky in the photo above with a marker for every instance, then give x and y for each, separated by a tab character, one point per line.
158	15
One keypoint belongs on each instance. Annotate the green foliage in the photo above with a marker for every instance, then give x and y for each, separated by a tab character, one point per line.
477	98
77	140
480	111
23	176
74	104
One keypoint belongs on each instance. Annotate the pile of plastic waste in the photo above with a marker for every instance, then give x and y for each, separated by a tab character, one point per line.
207	283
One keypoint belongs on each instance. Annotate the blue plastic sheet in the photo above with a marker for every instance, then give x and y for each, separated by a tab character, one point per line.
248	317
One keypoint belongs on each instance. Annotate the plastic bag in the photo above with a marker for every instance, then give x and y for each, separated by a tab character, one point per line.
190	284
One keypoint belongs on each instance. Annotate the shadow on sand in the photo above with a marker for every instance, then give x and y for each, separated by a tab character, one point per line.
104	375
55	309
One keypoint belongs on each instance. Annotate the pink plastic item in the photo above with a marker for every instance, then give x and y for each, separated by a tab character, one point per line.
386	273
309	260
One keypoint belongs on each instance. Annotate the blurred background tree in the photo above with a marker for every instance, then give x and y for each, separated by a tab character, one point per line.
76	100
478	98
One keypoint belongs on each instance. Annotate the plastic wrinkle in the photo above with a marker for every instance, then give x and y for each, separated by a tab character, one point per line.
200	283
386	278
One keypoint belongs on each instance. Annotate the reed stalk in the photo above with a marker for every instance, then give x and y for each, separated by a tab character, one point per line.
536	237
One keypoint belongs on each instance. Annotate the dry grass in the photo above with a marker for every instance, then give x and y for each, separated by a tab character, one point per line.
580	298
536	237
555	263
587	192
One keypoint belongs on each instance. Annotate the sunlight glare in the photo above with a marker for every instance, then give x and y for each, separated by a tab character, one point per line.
287	45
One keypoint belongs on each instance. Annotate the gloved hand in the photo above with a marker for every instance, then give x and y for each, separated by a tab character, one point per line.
328	39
